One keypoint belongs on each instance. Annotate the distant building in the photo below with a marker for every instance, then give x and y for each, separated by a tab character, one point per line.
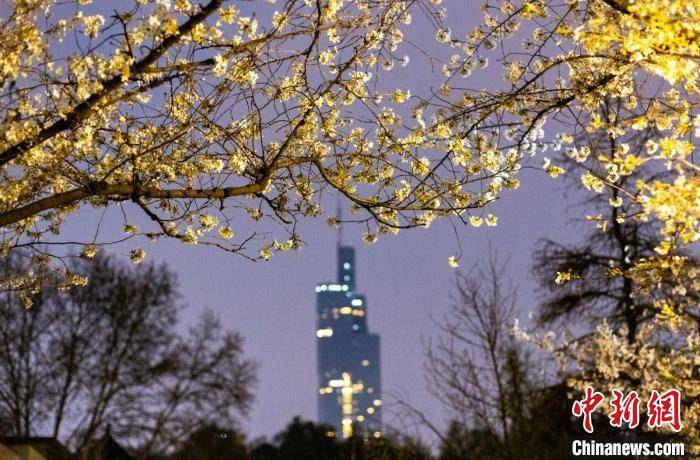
46	448
348	364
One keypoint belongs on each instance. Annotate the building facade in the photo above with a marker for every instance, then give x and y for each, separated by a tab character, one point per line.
348	360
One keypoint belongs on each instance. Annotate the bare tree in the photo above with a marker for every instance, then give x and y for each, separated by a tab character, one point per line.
496	404
476	369
108	355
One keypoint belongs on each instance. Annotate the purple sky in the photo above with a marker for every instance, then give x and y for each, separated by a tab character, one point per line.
406	278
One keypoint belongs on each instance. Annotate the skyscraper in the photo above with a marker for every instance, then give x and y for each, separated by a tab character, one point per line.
347	355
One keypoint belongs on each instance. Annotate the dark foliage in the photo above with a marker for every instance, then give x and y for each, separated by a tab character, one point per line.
109	354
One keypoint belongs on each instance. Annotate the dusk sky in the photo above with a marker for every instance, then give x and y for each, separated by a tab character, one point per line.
406	278
231	147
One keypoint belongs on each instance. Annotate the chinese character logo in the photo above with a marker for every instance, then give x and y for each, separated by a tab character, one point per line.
587	406
665	409
662	409
625	409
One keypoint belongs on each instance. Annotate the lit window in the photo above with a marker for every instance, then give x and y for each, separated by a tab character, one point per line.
370	390
370	410
330	434
377	402
327	332
345	287
346	266
360	418
318	288
345	310
346	278
355	327
335	287
358	312
356	302
365	362
377	434
336	383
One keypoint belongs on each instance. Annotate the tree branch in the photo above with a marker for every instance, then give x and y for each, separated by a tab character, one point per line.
104	189
621	6
88	106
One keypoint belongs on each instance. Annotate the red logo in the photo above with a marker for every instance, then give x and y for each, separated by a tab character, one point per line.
662	409
665	409
587	406
625	409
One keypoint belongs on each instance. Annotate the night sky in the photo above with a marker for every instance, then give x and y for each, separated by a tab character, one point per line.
406	278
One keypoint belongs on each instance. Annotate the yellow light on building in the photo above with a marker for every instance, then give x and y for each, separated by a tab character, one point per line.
345	310
377	434
370	410
327	332
358	312
360	418
377	402
346	398
365	362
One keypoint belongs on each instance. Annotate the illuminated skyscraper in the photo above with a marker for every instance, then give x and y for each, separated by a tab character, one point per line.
347	356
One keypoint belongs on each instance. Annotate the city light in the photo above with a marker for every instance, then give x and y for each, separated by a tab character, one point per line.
327	332
344	362
347	406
